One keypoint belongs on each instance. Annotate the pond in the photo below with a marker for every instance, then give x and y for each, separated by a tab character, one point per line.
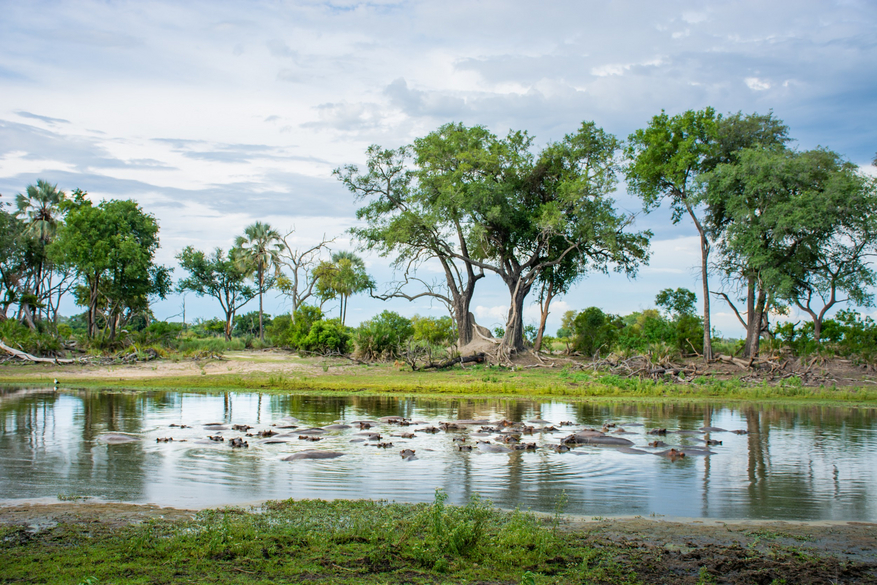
789	461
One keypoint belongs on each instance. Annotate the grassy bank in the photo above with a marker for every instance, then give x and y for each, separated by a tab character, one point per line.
378	542
477	380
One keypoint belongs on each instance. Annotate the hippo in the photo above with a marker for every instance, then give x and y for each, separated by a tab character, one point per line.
312	431
406	435
591	439
671	454
117	438
216	427
539	421
309	438
464	447
313	454
713	430
632	451
560	448
657	444
241	428
491	448
336	427
266	434
164	440
407	454
238	443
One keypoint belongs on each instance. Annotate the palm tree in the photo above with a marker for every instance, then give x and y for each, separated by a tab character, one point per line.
257	251
344	276
40	210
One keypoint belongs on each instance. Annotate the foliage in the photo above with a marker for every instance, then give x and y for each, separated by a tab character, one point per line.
32	341
248	324
593	331
255	253
676	302
218	277
342	277
308	331
383	337
848	334
112	248
801	224
434	331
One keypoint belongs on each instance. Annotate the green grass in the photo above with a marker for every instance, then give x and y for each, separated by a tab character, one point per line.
301	541
333	375
381	543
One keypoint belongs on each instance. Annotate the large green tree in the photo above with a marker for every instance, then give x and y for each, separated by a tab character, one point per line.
526	213
803	224
666	159
217	276
401	221
111	247
258	251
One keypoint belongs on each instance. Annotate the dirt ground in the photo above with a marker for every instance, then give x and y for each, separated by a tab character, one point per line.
774	369
659	550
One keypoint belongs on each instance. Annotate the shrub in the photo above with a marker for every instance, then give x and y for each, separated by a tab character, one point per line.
441	331
384	336
593	331
18	336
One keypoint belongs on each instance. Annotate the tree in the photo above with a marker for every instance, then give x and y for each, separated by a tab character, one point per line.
12	260
258	250
112	248
801	223
216	276
666	159
299	287
677	302
41	209
401	221
342	277
528	214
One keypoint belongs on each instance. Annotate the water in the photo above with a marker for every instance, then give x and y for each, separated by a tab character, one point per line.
797	462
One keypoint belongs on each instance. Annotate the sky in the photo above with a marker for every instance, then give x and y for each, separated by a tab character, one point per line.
214	115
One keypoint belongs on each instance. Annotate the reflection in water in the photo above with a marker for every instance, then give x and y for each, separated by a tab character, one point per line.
796	462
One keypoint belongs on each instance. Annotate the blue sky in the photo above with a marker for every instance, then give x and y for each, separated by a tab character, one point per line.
213	115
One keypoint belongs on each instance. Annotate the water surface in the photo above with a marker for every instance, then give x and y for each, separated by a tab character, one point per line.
796	462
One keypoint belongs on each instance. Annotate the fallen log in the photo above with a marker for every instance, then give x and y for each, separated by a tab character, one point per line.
476	358
735	361
32	358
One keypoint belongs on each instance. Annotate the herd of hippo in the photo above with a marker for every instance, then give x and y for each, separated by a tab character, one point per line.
479	435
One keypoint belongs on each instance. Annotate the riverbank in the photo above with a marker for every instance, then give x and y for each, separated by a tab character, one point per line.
379	542
274	371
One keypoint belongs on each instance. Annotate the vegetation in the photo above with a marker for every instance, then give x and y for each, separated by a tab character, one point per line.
785	230
379	542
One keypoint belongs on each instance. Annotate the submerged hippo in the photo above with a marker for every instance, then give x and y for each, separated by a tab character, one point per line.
589	438
117	438
313	454
491	448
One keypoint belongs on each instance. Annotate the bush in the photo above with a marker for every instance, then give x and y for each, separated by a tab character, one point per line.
441	331
384	336
18	336
593	331
848	334
248	324
308	331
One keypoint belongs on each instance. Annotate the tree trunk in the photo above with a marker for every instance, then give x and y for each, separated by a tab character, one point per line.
754	320
704	272
229	320
513	340
92	308
549	294
261	285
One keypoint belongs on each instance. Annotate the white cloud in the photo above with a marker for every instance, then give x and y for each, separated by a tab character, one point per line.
756	84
